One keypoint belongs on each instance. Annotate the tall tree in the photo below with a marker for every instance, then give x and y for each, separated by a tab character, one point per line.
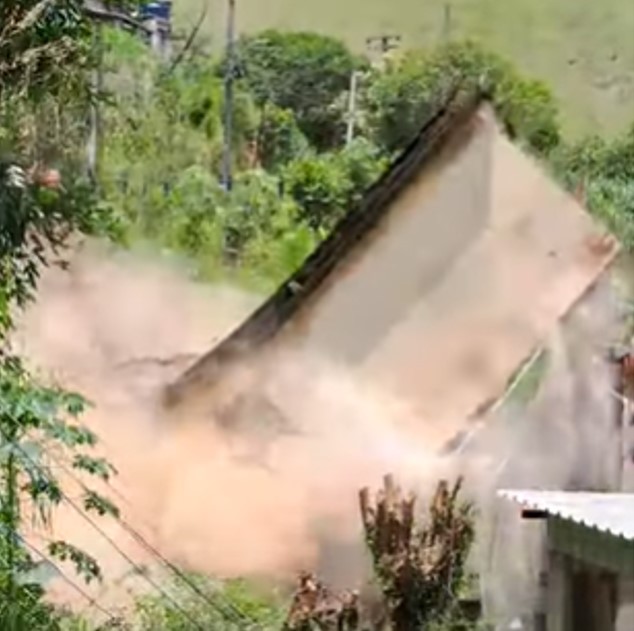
44	59
301	72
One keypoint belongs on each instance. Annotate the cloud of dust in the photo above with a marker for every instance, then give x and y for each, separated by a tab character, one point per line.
117	328
278	497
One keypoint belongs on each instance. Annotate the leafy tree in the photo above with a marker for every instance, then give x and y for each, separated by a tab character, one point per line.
38	41
301	72
319	187
326	186
271	255
398	99
363	163
40	207
162	128
36	421
279	138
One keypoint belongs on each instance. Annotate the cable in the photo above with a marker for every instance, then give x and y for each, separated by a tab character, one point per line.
93	602
138	569
30	595
109	539
240	616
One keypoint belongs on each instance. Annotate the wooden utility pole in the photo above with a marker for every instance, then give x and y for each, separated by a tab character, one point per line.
446	27
94	144
227	179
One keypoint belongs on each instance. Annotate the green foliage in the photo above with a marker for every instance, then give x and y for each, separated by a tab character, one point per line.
44	99
27	610
272	254
319	188
606	170
326	186
581	48
363	163
302	72
407	92
595	157
34	219
235	605
279	138
37	43
28	411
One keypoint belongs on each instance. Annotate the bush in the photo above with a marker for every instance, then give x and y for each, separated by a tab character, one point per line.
607	171
271	256
234	605
279	138
320	188
327	186
399	99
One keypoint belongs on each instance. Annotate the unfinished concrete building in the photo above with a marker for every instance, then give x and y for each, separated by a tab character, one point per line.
590	557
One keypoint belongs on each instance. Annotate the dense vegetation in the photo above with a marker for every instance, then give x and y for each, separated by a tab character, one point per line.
295	173
39	209
157	182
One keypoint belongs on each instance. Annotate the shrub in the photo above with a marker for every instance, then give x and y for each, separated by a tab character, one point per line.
400	98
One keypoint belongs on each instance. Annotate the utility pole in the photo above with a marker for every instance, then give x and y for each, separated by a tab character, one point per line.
227	179
352	107
384	43
446	29
94	145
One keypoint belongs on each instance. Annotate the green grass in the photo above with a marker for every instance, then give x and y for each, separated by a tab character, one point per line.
583	48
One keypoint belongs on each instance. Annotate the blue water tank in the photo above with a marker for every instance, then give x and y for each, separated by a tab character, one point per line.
160	10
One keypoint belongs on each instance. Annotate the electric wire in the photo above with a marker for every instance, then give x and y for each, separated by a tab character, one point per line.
62	575
231	611
138	569
240	617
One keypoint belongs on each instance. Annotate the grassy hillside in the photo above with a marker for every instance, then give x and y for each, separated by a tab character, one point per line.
583	48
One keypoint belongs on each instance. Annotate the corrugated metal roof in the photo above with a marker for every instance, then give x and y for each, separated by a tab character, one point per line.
608	512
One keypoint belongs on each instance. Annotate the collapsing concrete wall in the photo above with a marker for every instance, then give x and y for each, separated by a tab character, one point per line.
467	272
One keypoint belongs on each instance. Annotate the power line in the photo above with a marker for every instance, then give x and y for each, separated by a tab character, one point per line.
106	537
150	548
240	617
243	618
34	598
93	601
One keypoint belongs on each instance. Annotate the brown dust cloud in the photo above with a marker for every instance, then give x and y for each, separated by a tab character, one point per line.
270	497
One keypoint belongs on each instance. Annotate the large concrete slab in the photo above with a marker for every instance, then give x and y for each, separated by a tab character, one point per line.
465	275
